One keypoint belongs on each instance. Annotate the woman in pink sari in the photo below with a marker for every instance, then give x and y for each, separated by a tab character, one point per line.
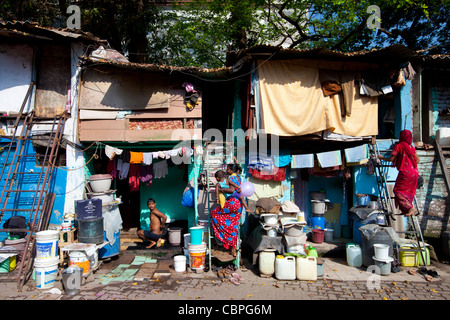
405	159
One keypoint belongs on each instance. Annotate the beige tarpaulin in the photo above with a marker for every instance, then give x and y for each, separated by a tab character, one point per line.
293	103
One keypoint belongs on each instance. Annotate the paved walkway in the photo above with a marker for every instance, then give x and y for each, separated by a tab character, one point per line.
139	274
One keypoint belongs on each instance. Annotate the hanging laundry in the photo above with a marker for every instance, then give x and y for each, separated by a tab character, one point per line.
356	154
147	158
136	157
282	159
160	169
125	156
260	162
339	82
134	177
191	96
376	82
111	151
174	152
302	161
329	159
278	174
111	168
123	168
147	174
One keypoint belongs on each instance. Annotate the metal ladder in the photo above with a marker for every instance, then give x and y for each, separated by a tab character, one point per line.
217	161
387	207
26	191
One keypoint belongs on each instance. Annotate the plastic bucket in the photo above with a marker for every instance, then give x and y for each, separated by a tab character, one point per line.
329	233
47	244
46	271
179	263
318	222
4	266
91	230
79	259
196	235
320	267
381	251
187	239
71	280
175	236
384	265
318	235
197	256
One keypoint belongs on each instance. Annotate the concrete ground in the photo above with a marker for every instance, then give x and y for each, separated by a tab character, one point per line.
148	274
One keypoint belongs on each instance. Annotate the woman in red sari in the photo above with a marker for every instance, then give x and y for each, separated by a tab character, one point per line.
405	159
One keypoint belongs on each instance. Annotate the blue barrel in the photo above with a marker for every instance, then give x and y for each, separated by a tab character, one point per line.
109	250
318	222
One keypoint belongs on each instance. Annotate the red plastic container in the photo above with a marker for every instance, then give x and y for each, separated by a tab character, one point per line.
318	235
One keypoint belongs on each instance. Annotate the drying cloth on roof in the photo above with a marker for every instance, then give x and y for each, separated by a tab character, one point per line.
293	103
375	80
329	159
302	161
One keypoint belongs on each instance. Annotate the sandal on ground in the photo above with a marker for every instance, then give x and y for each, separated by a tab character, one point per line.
423	271
223	274
433	273
237	276
234	281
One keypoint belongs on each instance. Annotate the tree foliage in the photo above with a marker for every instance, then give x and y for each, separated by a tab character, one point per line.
200	32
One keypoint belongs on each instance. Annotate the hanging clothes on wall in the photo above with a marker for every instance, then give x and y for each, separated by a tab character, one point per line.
147	174
134	177
302	161
341	83
160	169
329	159
136	157
277	174
111	151
123	168
147	158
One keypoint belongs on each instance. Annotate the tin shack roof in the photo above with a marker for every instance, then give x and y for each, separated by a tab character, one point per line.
29	31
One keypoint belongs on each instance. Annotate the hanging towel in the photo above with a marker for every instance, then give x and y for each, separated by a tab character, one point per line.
147	158
111	151
282	159
356	154
330	159
302	161
260	162
123	169
134	176
125	156
136	157
147	174
160	169
111	168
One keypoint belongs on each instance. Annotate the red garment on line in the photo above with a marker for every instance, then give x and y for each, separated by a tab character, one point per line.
278	174
408	175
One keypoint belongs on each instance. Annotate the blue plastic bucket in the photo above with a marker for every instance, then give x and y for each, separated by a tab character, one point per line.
196	235
318	222
110	250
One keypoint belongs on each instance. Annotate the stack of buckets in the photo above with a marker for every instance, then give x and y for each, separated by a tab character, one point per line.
318	209
196	248
47	259
382	258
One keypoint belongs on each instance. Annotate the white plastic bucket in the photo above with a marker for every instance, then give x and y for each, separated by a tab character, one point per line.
46	271
79	259
381	251
47	244
179	263
197	256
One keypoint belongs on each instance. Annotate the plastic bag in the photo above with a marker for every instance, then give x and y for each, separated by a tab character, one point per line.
188	198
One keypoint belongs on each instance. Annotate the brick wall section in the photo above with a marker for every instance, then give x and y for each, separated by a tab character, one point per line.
432	198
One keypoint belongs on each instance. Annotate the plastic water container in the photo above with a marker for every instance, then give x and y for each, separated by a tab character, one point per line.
266	262
179	263
196	235
306	268
354	255
285	268
381	251
197	256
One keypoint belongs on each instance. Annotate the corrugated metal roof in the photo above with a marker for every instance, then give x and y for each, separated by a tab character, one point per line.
148	67
392	53
32	30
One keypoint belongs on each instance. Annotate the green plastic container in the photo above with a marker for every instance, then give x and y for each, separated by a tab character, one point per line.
4	266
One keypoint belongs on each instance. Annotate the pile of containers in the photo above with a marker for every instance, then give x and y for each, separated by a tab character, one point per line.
195	248
46	261
290	267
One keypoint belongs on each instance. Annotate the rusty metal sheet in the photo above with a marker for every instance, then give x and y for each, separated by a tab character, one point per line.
109	89
53	80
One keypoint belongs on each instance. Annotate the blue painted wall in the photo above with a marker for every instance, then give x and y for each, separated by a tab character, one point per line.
25	199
